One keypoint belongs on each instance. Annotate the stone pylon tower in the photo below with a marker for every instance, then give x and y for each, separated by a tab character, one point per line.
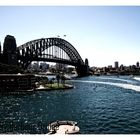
83	69
9	50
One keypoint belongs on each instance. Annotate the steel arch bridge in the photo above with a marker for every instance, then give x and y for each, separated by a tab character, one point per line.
51	50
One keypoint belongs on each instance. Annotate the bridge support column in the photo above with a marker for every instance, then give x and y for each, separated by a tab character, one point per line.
82	70
9	50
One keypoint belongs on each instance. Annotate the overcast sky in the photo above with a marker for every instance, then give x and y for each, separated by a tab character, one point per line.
101	34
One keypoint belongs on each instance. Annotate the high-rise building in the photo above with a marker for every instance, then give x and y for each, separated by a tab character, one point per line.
35	66
137	64
44	66
116	64
122	67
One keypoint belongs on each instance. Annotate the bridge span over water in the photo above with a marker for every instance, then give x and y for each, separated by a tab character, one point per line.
50	50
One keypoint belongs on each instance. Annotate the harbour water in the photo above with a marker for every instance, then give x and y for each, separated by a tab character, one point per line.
100	105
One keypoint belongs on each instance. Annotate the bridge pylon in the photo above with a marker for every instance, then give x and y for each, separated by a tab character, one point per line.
83	69
53	49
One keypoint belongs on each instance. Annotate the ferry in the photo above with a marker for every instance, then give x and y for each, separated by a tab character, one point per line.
63	127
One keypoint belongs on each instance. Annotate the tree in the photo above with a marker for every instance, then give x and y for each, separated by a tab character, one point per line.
52	81
58	79
44	81
63	78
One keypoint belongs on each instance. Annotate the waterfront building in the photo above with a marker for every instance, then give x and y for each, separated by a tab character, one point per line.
121	67
35	66
60	66
16	82
110	66
137	64
116	64
70	69
44	66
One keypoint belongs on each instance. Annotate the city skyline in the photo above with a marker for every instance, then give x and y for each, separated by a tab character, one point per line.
102	34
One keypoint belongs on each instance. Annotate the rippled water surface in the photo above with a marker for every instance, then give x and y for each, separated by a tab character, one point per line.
100	105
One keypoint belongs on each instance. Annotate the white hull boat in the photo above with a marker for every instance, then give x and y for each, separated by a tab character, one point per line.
63	127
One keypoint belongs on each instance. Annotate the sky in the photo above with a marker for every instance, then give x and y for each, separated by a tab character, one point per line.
103	34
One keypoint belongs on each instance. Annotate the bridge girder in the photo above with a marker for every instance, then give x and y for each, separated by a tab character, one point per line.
35	51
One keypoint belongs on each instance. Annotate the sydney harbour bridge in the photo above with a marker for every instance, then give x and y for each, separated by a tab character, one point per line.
54	49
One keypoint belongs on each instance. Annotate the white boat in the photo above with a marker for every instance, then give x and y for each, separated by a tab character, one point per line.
131	76
63	127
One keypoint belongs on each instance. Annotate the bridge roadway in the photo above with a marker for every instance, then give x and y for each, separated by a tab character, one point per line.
53	59
45	49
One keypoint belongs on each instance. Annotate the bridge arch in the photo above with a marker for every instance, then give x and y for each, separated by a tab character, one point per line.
51	50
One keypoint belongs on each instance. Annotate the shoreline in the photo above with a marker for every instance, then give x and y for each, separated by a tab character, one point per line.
66	86
32	91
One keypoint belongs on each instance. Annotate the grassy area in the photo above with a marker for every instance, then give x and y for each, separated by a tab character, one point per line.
54	86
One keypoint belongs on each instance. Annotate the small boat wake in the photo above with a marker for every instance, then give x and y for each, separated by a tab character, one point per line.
137	78
122	85
117	79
